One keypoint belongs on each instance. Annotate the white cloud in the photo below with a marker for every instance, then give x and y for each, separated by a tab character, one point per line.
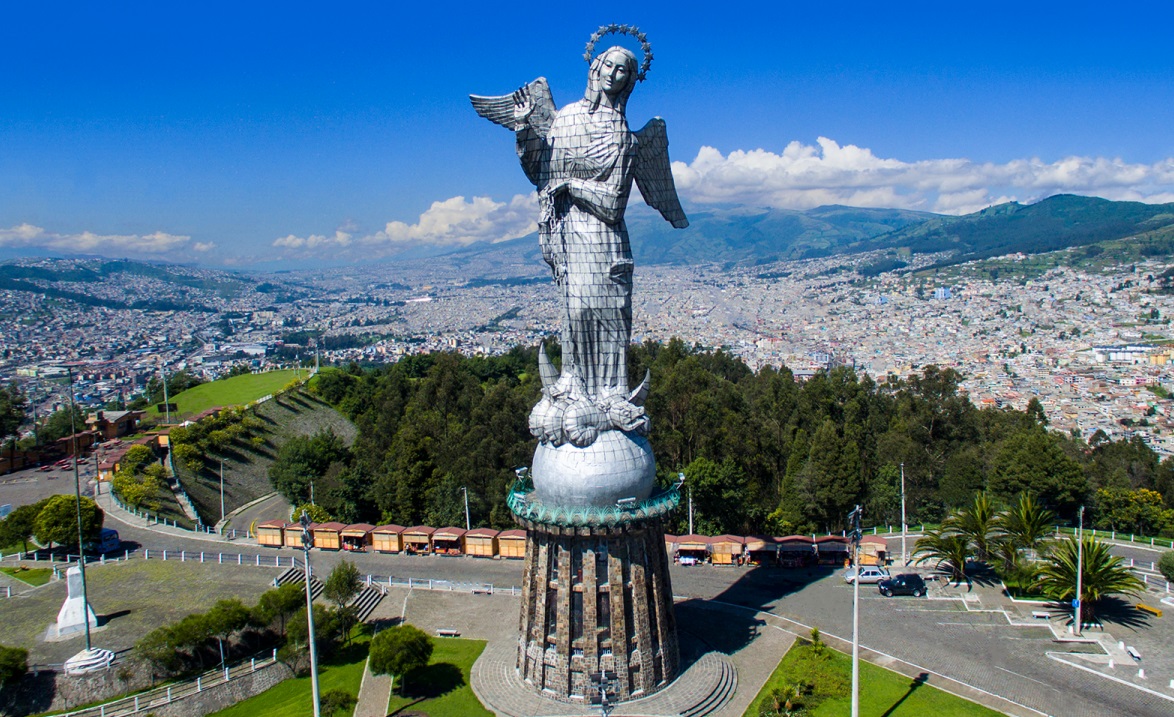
27	235
315	241
804	176
451	222
457	221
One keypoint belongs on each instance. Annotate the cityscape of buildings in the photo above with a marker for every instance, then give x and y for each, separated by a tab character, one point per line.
1090	345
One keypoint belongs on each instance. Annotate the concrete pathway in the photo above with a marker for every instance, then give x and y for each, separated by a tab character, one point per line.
374	694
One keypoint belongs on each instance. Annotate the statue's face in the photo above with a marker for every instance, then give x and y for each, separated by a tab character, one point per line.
613	76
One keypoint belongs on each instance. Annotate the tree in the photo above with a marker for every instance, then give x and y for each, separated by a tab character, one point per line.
13	405
14	663
1026	523
326	629
948	548
226	618
135	458
978	523
21	524
342	585
1031	461
316	513
1103	574
59	424
57	521
279	603
1166	565
399	650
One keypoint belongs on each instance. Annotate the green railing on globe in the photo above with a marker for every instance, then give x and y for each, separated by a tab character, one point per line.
524	505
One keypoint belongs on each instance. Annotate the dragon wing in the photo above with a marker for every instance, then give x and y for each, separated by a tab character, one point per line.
500	109
654	175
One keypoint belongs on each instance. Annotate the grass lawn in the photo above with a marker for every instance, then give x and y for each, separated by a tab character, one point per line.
883	693
442	688
32	576
292	698
230	391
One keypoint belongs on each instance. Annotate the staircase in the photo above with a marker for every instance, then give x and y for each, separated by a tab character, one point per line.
366	602
722	690
297	576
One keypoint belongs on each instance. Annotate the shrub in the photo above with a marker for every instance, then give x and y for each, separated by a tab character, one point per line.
14	662
1166	565
336	701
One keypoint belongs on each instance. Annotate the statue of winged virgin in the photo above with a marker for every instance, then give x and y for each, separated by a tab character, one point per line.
582	160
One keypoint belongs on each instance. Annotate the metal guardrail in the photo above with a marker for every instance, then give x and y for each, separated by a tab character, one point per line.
160	696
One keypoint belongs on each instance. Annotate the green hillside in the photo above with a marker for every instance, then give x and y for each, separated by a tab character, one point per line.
1055	223
246	463
229	392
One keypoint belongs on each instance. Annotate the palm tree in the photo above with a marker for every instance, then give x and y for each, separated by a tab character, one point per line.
979	523
947	547
1027	522
1102	574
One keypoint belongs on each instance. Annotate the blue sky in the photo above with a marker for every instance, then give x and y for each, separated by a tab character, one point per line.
244	133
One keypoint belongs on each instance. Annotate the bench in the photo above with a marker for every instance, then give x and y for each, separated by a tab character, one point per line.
448	632
1151	610
1133	653
1041	614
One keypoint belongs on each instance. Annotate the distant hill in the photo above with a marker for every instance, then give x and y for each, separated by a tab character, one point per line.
750	236
1058	222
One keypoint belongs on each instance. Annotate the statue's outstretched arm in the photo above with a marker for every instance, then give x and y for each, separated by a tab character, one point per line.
529	111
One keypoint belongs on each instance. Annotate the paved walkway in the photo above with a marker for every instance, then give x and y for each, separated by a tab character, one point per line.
374	694
113	510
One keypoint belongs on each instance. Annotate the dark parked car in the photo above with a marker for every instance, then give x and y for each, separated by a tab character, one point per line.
904	584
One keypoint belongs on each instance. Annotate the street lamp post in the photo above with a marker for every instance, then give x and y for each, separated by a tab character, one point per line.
904	528
854	523
307	543
222	489
166	400
1077	609
602	681
468	525
77	486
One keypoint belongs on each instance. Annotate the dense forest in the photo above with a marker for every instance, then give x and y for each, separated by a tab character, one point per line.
762	452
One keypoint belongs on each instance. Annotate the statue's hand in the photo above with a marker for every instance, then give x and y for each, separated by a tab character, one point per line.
523	107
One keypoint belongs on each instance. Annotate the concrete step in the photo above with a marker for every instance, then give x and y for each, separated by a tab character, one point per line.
366	602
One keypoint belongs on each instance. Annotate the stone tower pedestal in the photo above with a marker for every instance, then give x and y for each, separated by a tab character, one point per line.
596	596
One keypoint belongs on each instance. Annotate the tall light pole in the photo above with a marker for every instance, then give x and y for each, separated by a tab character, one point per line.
221	489
904	528
77	486
1077	609
854	522
166	399
468	525
307	543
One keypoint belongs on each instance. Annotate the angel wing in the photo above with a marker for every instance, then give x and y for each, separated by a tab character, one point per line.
500	110
654	176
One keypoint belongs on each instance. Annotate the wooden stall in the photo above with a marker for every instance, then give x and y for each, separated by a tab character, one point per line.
761	550
726	549
832	550
481	543
293	534
418	539
356	537
449	541
692	549
386	538
512	543
874	550
796	551
271	533
328	536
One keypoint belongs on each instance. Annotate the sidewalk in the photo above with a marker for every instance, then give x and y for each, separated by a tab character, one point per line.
374	694
113	510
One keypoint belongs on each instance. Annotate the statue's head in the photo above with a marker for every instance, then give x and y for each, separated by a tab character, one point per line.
613	74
